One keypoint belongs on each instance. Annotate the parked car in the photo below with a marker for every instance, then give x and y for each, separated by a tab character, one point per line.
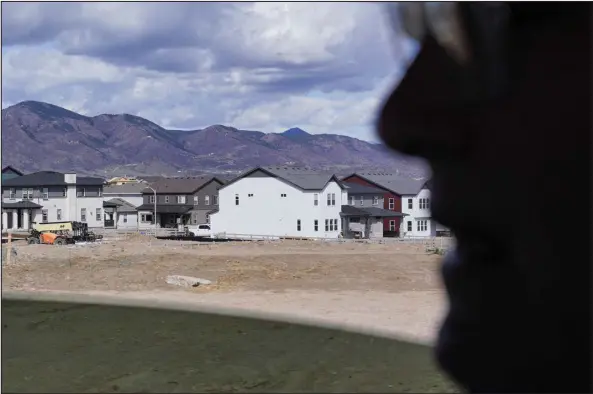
200	230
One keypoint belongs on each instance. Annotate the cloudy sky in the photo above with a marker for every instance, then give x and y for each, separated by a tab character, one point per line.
324	67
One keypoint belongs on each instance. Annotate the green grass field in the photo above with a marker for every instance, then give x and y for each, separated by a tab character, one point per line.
59	347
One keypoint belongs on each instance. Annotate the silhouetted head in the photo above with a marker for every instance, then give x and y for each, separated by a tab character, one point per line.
505	127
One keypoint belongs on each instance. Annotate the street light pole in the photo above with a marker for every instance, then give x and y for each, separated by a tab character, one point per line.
154	194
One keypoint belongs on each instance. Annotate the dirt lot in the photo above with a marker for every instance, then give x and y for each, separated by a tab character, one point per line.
391	287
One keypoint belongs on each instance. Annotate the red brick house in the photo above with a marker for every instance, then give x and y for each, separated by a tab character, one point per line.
394	187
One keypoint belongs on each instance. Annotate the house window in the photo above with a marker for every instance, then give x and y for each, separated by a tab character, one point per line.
194	218
332	225
83	214
65	192
207	200
237	199
361	202
44	215
151	199
167	199
125	217
146	218
298	224
196	200
326	225
392	225
208	218
352	200
410	203
180	199
45	193
98	215
316	225
329	199
375	200
27	194
315	199
59	214
333	198
283	195
215	200
424	203
422	225
391	203
12	193
83	192
409	226
250	195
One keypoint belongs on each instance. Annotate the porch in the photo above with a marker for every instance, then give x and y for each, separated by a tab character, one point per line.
167	216
19	215
366	222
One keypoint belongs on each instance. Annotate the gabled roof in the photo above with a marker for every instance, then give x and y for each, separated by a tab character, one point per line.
127	188
50	178
184	185
356	188
300	177
122	205
394	183
12	169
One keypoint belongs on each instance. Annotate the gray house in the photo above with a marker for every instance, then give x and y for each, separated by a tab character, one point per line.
364	215
179	201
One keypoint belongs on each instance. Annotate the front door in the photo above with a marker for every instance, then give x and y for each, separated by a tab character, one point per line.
9	221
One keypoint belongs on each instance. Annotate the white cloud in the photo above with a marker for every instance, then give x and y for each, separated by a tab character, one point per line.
323	67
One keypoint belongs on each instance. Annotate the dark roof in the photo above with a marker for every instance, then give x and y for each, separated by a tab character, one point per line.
301	177
126	188
122	205
12	169
21	204
349	210
165	208
355	188
184	185
50	178
393	182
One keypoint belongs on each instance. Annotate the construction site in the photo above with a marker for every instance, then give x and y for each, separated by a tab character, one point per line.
392	287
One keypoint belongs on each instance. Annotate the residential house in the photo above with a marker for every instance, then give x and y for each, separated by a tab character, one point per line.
281	202
9	172
120	198
397	190
121	180
363	215
179	201
49	196
120	214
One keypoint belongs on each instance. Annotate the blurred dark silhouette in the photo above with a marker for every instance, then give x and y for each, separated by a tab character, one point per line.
507	136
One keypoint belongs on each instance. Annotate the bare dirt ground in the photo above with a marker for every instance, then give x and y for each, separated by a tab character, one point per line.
392	287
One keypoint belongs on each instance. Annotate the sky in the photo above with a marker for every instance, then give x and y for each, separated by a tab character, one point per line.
323	67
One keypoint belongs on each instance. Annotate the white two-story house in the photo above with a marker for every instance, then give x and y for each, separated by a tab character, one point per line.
280	202
49	196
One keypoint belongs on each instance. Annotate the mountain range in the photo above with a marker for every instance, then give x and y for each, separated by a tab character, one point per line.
38	136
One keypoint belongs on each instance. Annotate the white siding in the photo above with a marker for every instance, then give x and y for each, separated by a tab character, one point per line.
132	220
267	213
91	204
417	214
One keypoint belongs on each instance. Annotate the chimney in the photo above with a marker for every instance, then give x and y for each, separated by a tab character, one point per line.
70	178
